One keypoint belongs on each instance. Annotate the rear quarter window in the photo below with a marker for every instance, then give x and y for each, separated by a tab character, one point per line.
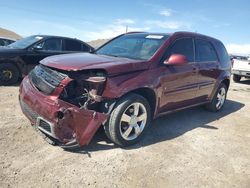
85	48
223	55
72	45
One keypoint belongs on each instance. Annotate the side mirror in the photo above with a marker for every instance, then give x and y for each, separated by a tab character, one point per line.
176	59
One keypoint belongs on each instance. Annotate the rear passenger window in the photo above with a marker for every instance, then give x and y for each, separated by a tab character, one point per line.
72	45
184	47
204	51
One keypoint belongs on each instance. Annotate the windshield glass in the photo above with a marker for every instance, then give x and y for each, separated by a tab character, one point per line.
140	46
25	42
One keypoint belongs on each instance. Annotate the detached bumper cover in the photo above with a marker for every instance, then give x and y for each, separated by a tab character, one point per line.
73	125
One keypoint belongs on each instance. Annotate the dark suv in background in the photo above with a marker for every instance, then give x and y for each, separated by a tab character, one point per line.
126	83
18	58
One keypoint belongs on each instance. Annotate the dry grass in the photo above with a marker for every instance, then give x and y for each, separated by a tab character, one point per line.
9	34
97	43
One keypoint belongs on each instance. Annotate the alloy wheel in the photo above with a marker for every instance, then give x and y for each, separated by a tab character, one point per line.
133	121
221	96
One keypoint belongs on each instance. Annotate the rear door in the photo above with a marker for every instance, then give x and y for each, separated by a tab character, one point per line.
208	66
178	82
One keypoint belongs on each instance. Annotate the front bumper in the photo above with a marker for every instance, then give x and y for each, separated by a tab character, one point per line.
61	122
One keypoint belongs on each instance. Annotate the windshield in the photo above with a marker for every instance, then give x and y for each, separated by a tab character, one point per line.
25	42
140	46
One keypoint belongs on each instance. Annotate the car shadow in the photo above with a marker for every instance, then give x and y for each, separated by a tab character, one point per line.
245	81
16	84
167	127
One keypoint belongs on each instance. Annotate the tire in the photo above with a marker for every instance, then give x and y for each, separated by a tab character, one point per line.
123	127
218	100
9	74
236	78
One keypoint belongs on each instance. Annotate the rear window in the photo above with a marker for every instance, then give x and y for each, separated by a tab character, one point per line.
204	51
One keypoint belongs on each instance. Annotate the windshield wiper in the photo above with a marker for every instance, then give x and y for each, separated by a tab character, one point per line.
108	55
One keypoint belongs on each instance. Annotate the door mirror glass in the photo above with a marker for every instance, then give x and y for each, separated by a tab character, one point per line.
176	59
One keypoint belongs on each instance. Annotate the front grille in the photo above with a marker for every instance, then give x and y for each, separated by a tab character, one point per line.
45	79
32	114
44	125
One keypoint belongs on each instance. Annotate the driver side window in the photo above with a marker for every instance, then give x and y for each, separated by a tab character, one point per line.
50	45
184	47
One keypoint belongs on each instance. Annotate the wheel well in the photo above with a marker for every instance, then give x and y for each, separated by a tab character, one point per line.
226	82
149	95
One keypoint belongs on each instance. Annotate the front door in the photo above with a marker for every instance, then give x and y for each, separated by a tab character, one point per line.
40	51
178	82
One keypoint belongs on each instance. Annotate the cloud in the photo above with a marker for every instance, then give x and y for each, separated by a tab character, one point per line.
104	31
166	12
124	21
111	30
238	49
167	24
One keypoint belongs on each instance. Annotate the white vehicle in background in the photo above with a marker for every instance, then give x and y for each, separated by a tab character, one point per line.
241	68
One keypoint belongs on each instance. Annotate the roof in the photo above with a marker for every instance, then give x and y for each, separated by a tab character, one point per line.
176	33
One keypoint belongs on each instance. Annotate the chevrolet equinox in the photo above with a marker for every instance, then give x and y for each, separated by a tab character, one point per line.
123	85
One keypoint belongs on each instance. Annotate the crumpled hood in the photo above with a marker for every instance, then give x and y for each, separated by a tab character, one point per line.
87	61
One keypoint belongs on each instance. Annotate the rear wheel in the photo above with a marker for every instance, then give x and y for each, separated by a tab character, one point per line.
236	78
129	120
9	74
219	99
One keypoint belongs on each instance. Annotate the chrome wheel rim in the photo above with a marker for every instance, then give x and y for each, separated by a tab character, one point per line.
133	121
221	96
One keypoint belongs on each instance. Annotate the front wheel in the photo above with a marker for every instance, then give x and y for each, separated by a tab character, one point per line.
9	74
129	120
219	99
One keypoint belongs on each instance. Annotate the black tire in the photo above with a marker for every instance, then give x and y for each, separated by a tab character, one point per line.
114	126
236	78
212	106
9	74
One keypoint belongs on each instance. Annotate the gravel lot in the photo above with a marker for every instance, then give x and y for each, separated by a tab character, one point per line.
191	148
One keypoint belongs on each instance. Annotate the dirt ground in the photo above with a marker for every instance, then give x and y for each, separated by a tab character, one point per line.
191	148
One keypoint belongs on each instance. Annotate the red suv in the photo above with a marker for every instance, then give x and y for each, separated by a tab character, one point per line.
123	85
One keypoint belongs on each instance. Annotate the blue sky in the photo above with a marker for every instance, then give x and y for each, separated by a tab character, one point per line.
89	20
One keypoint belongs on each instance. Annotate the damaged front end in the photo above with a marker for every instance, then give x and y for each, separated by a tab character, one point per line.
66	107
